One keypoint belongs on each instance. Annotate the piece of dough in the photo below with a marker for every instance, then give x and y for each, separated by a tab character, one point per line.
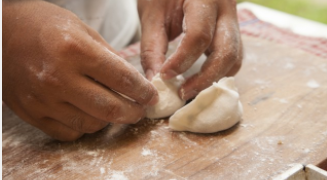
215	109
169	101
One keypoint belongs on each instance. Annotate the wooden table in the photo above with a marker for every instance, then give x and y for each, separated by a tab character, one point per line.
283	91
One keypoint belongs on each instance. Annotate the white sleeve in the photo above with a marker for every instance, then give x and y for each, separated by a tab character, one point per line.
116	20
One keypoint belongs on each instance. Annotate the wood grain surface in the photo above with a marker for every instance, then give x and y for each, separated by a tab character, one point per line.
283	91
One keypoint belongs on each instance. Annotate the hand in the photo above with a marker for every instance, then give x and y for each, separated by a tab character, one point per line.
210	27
60	75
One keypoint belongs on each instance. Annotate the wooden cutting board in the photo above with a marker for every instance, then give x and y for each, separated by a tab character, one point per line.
283	91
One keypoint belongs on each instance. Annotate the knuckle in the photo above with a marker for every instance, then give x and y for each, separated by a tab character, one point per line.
202	37
146	56
77	123
232	54
127	79
151	59
69	44
33	98
49	79
112	112
147	52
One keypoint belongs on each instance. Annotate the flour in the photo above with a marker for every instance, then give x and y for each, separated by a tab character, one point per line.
313	84
324	133
146	152
246	125
289	66
102	170
117	175
187	140
283	101
306	150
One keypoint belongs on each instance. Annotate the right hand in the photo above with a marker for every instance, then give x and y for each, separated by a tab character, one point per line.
61	76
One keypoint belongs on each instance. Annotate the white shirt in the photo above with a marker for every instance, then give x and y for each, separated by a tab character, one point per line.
116	20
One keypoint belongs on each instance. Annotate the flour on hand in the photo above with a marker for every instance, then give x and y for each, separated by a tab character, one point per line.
214	109
169	101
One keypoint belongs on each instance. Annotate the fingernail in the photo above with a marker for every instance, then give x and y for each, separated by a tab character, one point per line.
154	100
149	74
169	74
186	95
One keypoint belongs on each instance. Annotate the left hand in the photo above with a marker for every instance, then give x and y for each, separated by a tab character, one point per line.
210	27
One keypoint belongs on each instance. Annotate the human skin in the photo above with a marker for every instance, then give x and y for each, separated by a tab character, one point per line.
209	26
60	76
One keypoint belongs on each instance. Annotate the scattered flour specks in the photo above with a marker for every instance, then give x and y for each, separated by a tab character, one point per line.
146	152
323	67
289	66
262	82
92	153
313	84
102	170
283	101
187	140
306	150
117	175
246	125
324	133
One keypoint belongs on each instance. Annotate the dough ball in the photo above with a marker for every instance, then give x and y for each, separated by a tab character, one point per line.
169	101
214	109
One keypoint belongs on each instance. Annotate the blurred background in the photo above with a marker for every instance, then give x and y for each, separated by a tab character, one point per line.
310	9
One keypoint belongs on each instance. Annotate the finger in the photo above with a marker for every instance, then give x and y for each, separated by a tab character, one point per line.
49	126
199	26
154	42
102	103
115	73
224	58
97	37
237	66
76	119
58	130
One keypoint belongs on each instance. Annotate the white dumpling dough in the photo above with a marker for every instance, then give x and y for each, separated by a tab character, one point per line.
169	101
214	109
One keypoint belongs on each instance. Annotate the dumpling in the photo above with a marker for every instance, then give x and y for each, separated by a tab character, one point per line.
214	109
169	101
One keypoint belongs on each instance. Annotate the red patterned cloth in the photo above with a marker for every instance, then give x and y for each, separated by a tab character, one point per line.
252	26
